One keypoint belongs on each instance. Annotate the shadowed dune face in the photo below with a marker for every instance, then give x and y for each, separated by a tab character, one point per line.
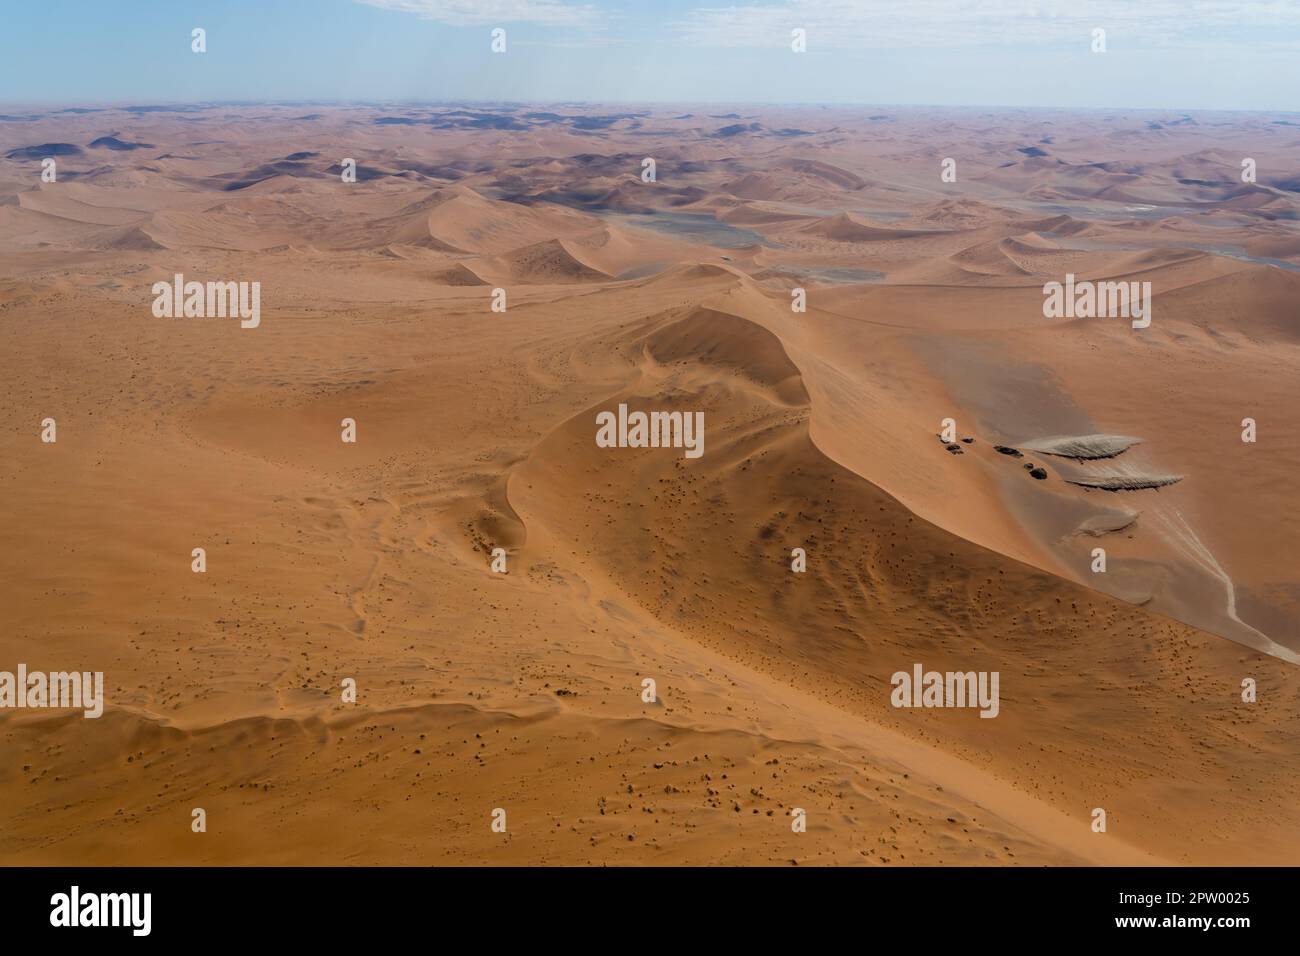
708	339
944	459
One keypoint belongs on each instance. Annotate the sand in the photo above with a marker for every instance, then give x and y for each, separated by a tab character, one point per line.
523	691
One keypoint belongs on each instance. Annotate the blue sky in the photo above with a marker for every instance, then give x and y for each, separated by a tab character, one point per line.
1161	54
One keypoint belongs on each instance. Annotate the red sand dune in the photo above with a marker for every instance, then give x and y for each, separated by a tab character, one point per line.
372	561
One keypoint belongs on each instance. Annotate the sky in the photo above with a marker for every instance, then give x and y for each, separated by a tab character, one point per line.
1160	54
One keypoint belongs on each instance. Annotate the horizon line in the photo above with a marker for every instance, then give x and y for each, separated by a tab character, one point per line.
483	103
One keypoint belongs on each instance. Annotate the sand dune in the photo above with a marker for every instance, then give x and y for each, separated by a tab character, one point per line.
54	203
848	227
459	274
551	260
731	343
482	686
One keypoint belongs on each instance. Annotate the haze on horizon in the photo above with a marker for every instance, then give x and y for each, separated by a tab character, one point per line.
1160	54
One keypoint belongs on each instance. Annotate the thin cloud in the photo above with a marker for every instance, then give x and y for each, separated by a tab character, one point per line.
471	13
891	24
